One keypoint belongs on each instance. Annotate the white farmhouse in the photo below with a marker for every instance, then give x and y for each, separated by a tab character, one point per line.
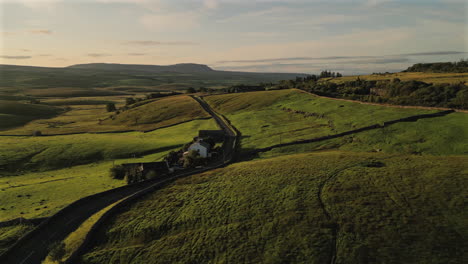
202	147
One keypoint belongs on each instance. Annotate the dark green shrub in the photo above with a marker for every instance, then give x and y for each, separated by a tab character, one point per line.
152	174
110	107
117	172
57	251
129	101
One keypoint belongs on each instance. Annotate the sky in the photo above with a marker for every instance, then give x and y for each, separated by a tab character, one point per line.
306	36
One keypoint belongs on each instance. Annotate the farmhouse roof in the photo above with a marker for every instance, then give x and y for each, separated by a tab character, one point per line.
202	143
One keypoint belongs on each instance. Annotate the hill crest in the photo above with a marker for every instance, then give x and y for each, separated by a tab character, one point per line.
180	68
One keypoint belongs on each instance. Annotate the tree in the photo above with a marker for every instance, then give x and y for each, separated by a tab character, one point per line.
191	159
129	101
152	174
172	158
117	172
191	90
37	133
110	107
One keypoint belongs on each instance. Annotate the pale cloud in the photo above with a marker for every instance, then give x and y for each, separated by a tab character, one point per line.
370	42
35	4
5	33
375	3
9	57
159	43
263	34
136	54
171	22
270	13
40	31
98	55
211	4
149	5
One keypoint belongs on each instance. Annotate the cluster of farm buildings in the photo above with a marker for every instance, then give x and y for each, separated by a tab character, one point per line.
202	145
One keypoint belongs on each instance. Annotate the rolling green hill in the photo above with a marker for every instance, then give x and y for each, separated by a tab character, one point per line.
20	154
306	208
17	78
134	68
269	118
441	136
159	113
90	115
13	114
40	175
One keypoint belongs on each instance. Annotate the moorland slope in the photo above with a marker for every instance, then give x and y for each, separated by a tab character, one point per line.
325	207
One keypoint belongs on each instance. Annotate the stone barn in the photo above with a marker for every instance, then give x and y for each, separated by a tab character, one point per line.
216	135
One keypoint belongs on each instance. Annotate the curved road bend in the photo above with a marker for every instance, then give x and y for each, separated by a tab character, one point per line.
34	246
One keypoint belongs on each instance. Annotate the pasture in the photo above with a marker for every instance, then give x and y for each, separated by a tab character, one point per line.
370	207
159	113
40	175
90	115
263	121
440	136
13	114
427	77
19	154
9	234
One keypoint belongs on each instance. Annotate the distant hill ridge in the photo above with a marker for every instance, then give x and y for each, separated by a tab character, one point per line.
179	68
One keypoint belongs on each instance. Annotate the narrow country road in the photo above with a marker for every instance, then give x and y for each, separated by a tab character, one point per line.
35	246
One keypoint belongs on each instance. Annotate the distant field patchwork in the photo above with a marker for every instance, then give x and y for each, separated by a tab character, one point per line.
89	116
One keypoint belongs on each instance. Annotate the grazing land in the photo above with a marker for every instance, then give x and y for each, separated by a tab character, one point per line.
9	234
93	117
358	207
427	77
162	112
14	114
19	154
43	174
389	194
109	79
264	120
441	136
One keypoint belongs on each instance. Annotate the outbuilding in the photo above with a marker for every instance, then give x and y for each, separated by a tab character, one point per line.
202	148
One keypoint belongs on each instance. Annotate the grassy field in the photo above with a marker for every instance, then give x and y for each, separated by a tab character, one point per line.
59	180
13	114
21	79
9	234
69	92
441	136
85	115
409	76
159	113
373	207
19	154
263	122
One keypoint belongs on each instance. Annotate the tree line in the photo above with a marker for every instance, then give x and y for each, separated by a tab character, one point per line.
454	95
455	67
